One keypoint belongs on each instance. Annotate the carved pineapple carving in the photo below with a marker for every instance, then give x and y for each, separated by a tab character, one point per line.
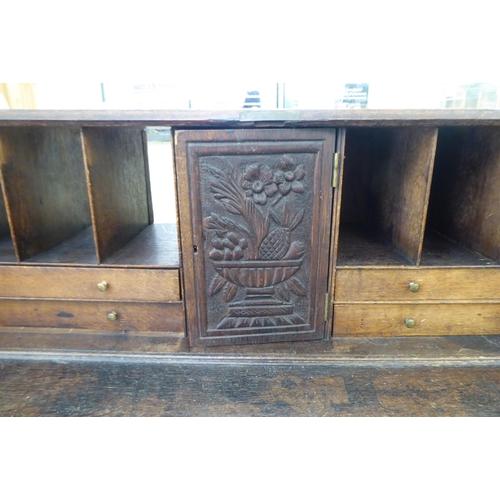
277	243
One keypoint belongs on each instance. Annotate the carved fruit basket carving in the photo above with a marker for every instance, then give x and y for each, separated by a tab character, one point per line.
247	253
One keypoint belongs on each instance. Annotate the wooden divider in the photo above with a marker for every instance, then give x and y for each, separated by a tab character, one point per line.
118	180
43	178
386	186
465	202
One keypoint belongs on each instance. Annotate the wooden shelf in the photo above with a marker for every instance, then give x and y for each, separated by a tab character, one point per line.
155	246
360	247
440	251
79	250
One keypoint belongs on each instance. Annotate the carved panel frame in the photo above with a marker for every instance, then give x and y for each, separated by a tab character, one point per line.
244	220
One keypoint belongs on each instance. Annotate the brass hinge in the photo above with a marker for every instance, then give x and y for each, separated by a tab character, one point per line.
327	306
336	169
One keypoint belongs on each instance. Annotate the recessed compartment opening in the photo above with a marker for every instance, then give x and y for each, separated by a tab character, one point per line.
46	197
385	190
130	174
463	225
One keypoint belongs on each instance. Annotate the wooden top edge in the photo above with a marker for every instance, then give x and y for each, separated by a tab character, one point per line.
246	118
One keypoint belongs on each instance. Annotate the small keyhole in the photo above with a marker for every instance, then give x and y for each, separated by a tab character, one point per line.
195	249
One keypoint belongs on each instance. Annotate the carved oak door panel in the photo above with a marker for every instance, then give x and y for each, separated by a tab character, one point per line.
255	212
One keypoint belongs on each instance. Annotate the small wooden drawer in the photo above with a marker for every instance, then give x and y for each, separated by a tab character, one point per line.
395	320
368	285
114	316
136	285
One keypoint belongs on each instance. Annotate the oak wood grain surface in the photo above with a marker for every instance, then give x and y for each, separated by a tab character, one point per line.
137	285
162	317
386	319
131	389
435	284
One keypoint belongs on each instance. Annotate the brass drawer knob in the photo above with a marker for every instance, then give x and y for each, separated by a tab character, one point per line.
102	287
410	323
414	287
112	316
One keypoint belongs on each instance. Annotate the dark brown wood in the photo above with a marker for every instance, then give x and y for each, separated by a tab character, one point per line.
119	199
90	387
387	182
248	119
43	181
255	211
136	285
161	317
465	201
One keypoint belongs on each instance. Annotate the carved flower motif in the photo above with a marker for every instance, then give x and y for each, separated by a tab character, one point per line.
258	183
288	176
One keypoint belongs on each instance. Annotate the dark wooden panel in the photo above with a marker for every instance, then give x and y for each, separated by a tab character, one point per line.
387	181
137	285
43	178
93	388
166	317
255	212
465	201
240	118
117	178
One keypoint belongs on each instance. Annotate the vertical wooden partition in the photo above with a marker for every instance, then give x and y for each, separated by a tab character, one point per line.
119	186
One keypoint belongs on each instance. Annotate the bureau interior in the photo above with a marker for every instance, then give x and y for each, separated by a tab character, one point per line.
386	182
83	196
463	226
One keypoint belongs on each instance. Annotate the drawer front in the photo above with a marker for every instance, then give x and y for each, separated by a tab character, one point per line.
93	315
433	284
388	320
141	285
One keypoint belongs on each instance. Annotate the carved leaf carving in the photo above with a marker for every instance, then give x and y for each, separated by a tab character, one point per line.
296	287
229	292
217	285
